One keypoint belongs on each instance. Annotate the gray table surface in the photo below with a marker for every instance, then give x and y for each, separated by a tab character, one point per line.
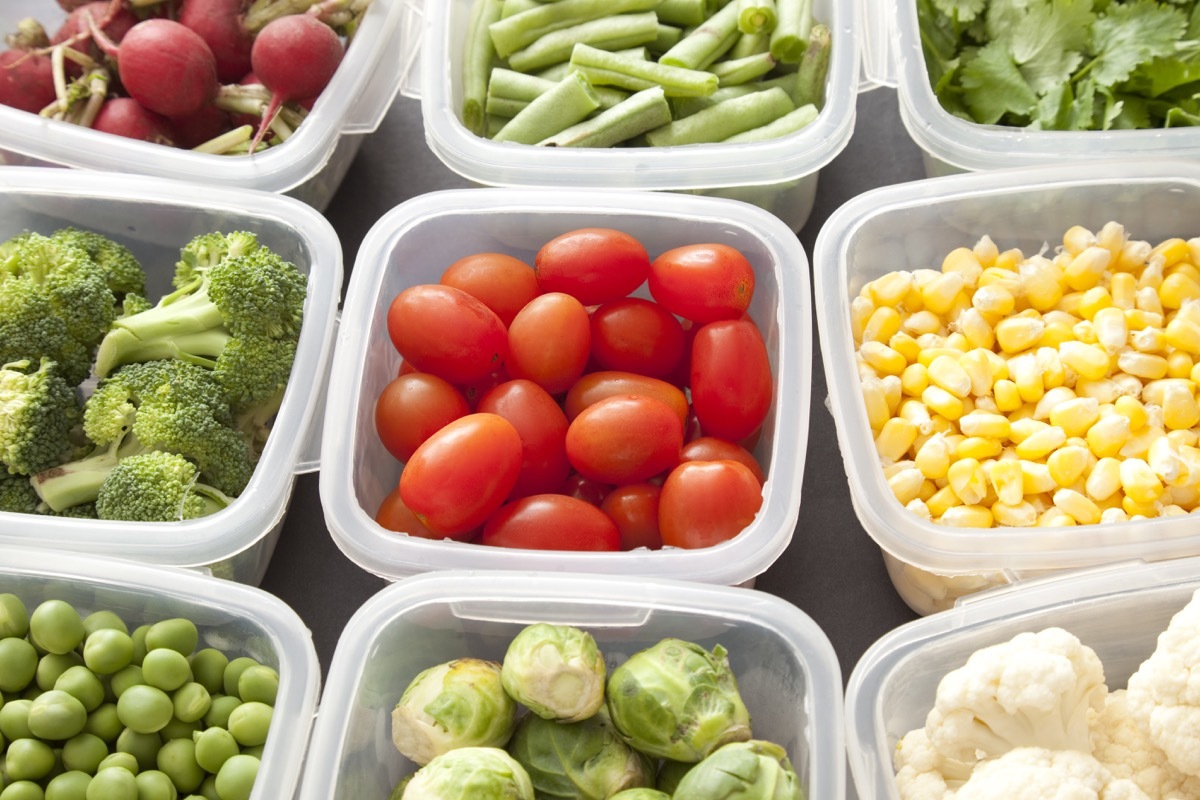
832	569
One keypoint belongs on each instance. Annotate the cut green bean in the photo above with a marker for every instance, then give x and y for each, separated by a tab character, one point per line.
668	36
478	54
512	7
610	33
723	120
514	33
686	106
756	16
814	68
790	37
510	91
708	42
568	102
644	111
685	13
742	70
602	68
557	72
750	44
788	123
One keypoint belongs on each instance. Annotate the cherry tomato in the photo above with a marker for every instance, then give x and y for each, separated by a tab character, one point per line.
475	390
595	386
594	265
703	282
448	332
542	426
710	448
731	379
551	522
624	439
707	502
412	408
585	489
549	341
636	335
463	473
501	282
634	509
395	516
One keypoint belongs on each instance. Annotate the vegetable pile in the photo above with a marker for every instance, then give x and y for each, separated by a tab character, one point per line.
1033	717
216	76
186	389
1065	64
553	721
599	73
549	408
94	711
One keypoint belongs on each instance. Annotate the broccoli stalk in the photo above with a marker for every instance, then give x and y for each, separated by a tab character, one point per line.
38	409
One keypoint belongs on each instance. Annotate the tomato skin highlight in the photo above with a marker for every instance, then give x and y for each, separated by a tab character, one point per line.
447	332
499	281
596	386
703	282
549	341
711	448
636	335
551	522
593	265
624	439
412	408
634	509
395	516
463	473
731	380
542	427
704	503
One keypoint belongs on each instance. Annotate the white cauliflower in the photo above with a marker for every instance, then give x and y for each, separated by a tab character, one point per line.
1034	690
1035	773
1164	693
922	773
1121	745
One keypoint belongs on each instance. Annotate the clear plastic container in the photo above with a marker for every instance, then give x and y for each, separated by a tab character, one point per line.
238	620
778	175
155	218
309	167
1118	611
786	668
914	225
416	241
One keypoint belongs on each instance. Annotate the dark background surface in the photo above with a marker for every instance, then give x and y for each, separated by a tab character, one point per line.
832	569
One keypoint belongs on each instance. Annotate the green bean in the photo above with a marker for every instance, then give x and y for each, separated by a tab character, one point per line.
788	123
235	781
18	664
112	784
756	16
107	651
208	669
511	7
14	618
56	715
84	752
55	627
178	634
28	759
667	37
520	30
478	54
144	708
790	37
51	665
708	42
685	13
82	684
70	785
153	784
742	70
214	746
749	44
568	102
510	91
646	110
609	33
608	69
724	119
814	67
98	620
556	72
166	669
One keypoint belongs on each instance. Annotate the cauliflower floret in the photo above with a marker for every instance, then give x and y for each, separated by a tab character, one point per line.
1031	691
1035	773
922	773
1164	694
1121	745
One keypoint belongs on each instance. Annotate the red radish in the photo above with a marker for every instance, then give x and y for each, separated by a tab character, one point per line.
124	116
196	129
295	57
164	66
114	20
219	24
26	80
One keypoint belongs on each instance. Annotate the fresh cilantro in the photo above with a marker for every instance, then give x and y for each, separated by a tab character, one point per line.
993	86
960	10
1130	34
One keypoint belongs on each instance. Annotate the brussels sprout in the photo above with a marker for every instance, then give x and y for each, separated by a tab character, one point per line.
670	773
675	700
641	794
457	704
753	770
480	773
556	671
401	785
577	760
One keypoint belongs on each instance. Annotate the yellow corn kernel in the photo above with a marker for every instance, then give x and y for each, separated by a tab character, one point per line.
1111	515
942	500
893	392
1139	482
979	448
1027	375
1185	438
979	369
1015	334
906	485
1021	429
967	516
946	372
1193	246
1147	300
1183	334
1077	506
1007	481
1176	289
1077	239
1132	409
1164	457
1104	479
1171	251
1052	397
882	325
1067	464
861	309
890	289
964	262
1056	333
942	402
927	490
1179	364
897	466
1138	510
1133	257
921	322
1138	444
1041	280
979	423
987	404
1138	318
1054	372
1088	361
895	439
1085	270
1149	340
1021	514
919	508
956	341
994	299
967	479
882	358
1111	331
1102	391
1041	444
1108	435
1084	331
1008	398
986	251
914	379
1172	511
1179	408
905	345
1142	365
1075	416
1035	477
976	330
941	293
934	457
1151	276
918	414
876	403
1094	300
1055	517
1008	279
1123	289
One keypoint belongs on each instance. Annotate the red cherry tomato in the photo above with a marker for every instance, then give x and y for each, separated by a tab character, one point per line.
463	473
636	335
625	439
593	265
412	408
595	386
731	379
703	282
551	522
543	429
549	341
475	390
634	509
501	282
710	448
585	489
448	332
704	503
395	516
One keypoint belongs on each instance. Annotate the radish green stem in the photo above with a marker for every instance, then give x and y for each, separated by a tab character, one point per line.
641	112
723	120
263	11
610	33
609	69
568	102
706	43
478	55
790	37
788	123
58	70
511	34
742	70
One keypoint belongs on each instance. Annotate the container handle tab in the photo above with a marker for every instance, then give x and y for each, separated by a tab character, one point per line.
875	20
309	459
412	34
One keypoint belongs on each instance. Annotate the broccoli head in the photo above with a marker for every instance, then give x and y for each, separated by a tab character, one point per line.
122	271
157	487
31	329
17	494
38	409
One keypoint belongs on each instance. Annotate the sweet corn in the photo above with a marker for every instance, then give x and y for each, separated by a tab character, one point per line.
942	402
905	345
995	298
1077	506
1109	515
978	447
986	251
1041	280
920	322
1088	361
1104	480
1085	270
1108	435
883	325
975	329
890	289
978	366
1007	481
1179	408
934	457
1015	515
1104	390
968	480
914	379
906	485
1123	288
897	467
1055	517
1076	415
893	392
1077	239
1054	372
919	508
1138	318
1015	334
1139	482
942	500
1111	331
861	309
1084	331
1133	256
876	403
1137	510
1132	409
1138	444
1179	364
968	516
1026	373
945	372
1036	477
1094	300
918	414
1186	438
1143	365
895	439
882	358
1008	397
941	293
979	423
1041	444
1067	464
1151	276
963	262
956	341
1149	340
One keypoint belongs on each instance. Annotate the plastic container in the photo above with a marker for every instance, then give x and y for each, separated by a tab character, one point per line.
238	620
778	175
310	166
786	669
1117	611
155	218
913	226
416	241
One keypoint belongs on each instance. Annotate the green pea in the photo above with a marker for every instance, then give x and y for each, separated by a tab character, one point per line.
56	715
155	785
112	784
178	729
125	678
139	643
249	723
258	683
70	785
218	713
233	673
166	669
214	746
22	790
256	751
235	781
142	746
178	634
82	684
28	760
52	665
14	719
31	692
55	627
104	722
208	669
121	761
107	651
99	620
191	702
84	752
144	708
208	789
177	758
18	664
14	618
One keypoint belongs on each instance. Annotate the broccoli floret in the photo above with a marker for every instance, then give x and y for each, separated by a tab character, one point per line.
134	303
157	487
84	511
31	329
37	412
17	494
123	273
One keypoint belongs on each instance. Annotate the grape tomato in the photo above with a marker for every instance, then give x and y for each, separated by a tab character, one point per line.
551	522
703	282
412	408
499	281
704	503
593	265
636	335
625	439
447	332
